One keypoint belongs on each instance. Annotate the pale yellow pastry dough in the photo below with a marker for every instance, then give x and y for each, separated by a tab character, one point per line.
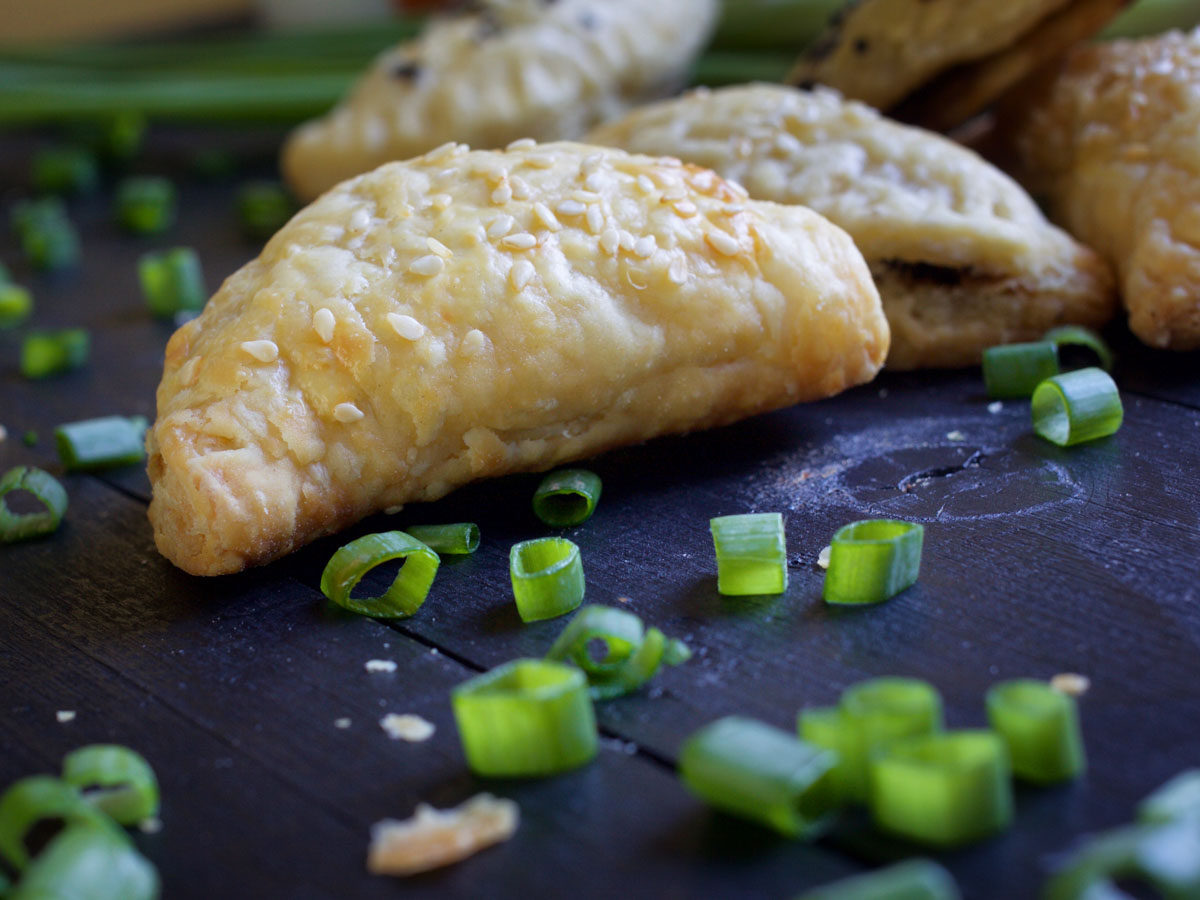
962	257
467	314
1111	140
518	69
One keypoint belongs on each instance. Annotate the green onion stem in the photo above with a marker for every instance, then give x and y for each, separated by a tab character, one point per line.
547	577
567	497
101	443
1178	798
172	281
408	590
458	539
145	204
36	799
46	353
1077	335
1164	857
88	862
45	489
1014	370
873	560
1078	406
788	25
751	552
1150	17
1041	728
16	305
914	879
114	779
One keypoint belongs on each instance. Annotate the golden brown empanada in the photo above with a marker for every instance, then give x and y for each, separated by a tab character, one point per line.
467	314
518	68
962	257
1111	140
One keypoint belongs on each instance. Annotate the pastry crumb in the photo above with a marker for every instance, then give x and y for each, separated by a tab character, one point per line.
407	727
380	665
995	406
152	825
1071	683
341	723
823	557
433	837
955	435
65	715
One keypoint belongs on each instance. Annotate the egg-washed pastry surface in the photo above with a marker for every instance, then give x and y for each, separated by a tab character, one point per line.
1110	140
545	69
939	62
962	256
468	314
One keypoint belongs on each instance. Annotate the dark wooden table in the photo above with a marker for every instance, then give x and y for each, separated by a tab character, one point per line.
1037	561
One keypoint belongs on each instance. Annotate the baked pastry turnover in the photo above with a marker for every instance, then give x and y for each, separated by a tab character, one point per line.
545	69
962	257
1110	139
467	314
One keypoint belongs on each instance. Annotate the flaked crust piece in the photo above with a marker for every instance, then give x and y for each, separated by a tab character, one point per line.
468	314
962	256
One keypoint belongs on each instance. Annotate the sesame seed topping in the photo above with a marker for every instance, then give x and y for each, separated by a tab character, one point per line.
669	162
702	181
570	208
521	144
440	201
360	219
406	326
733	209
595	219
323	322
585	196
543	214
502	195
539	161
493	173
595	182
685	208
610	241
646	184
501	225
522	240
521	273
675	193
788	143
347	413
645	246
520	188
591	163
740	191
627	241
438	247
441	151
474	342
263	351
427	265
723	243
677	272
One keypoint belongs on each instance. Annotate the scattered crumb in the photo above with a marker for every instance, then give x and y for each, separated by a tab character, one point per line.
380	665
823	557
407	727
624	600
152	825
883	392
1071	683
995	406
433	651
434	837
955	435
65	715
392	510
341	723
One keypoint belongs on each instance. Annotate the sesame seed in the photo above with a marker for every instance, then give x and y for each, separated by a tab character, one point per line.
440	201
723	243
440	151
427	265
502	195
347	413
380	665
702	181
407	727
610	241
732	209
521	273
65	715
438	247
677	272
645	184
788	144
522	240
1071	683
501	226
493	173
539	161
520	188
595	182
360	219
543	214
406	326
685	208
570	208
474	342
738	189
675	193
669	162
323	322
595	219
591	162
263	351
823	557
522	144
627	241
645	246
585	196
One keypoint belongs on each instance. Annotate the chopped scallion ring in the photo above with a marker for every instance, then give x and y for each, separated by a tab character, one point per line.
1014	370
47	236
751	554
1041	728
529	717
16	304
46	489
942	789
101	443
459	538
1077	406
1178	798
759	772
633	653
1077	335
409	589
114	779
34	799
46	353
172	281
567	497
1162	857
88	862
873	560
263	208
145	204
547	577
64	170
914	879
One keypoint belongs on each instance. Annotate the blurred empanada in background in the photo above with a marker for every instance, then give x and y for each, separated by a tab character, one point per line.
1111	139
962	256
514	69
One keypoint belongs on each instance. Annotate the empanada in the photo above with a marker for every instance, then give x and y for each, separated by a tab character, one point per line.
1111	140
962	257
938	62
467	314
544	69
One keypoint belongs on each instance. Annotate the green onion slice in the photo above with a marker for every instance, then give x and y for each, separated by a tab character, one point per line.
547	577
942	789
1178	798
64	170
263	208
172	281
45	489
751	554
914	879
36	799
1078	335
567	497
145	204
1164	857
529	717
88	862
1014	370
16	304
873	560
1077	406
46	353
1041	728
759	772
633	653
459	538
409	589
115	780
101	443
